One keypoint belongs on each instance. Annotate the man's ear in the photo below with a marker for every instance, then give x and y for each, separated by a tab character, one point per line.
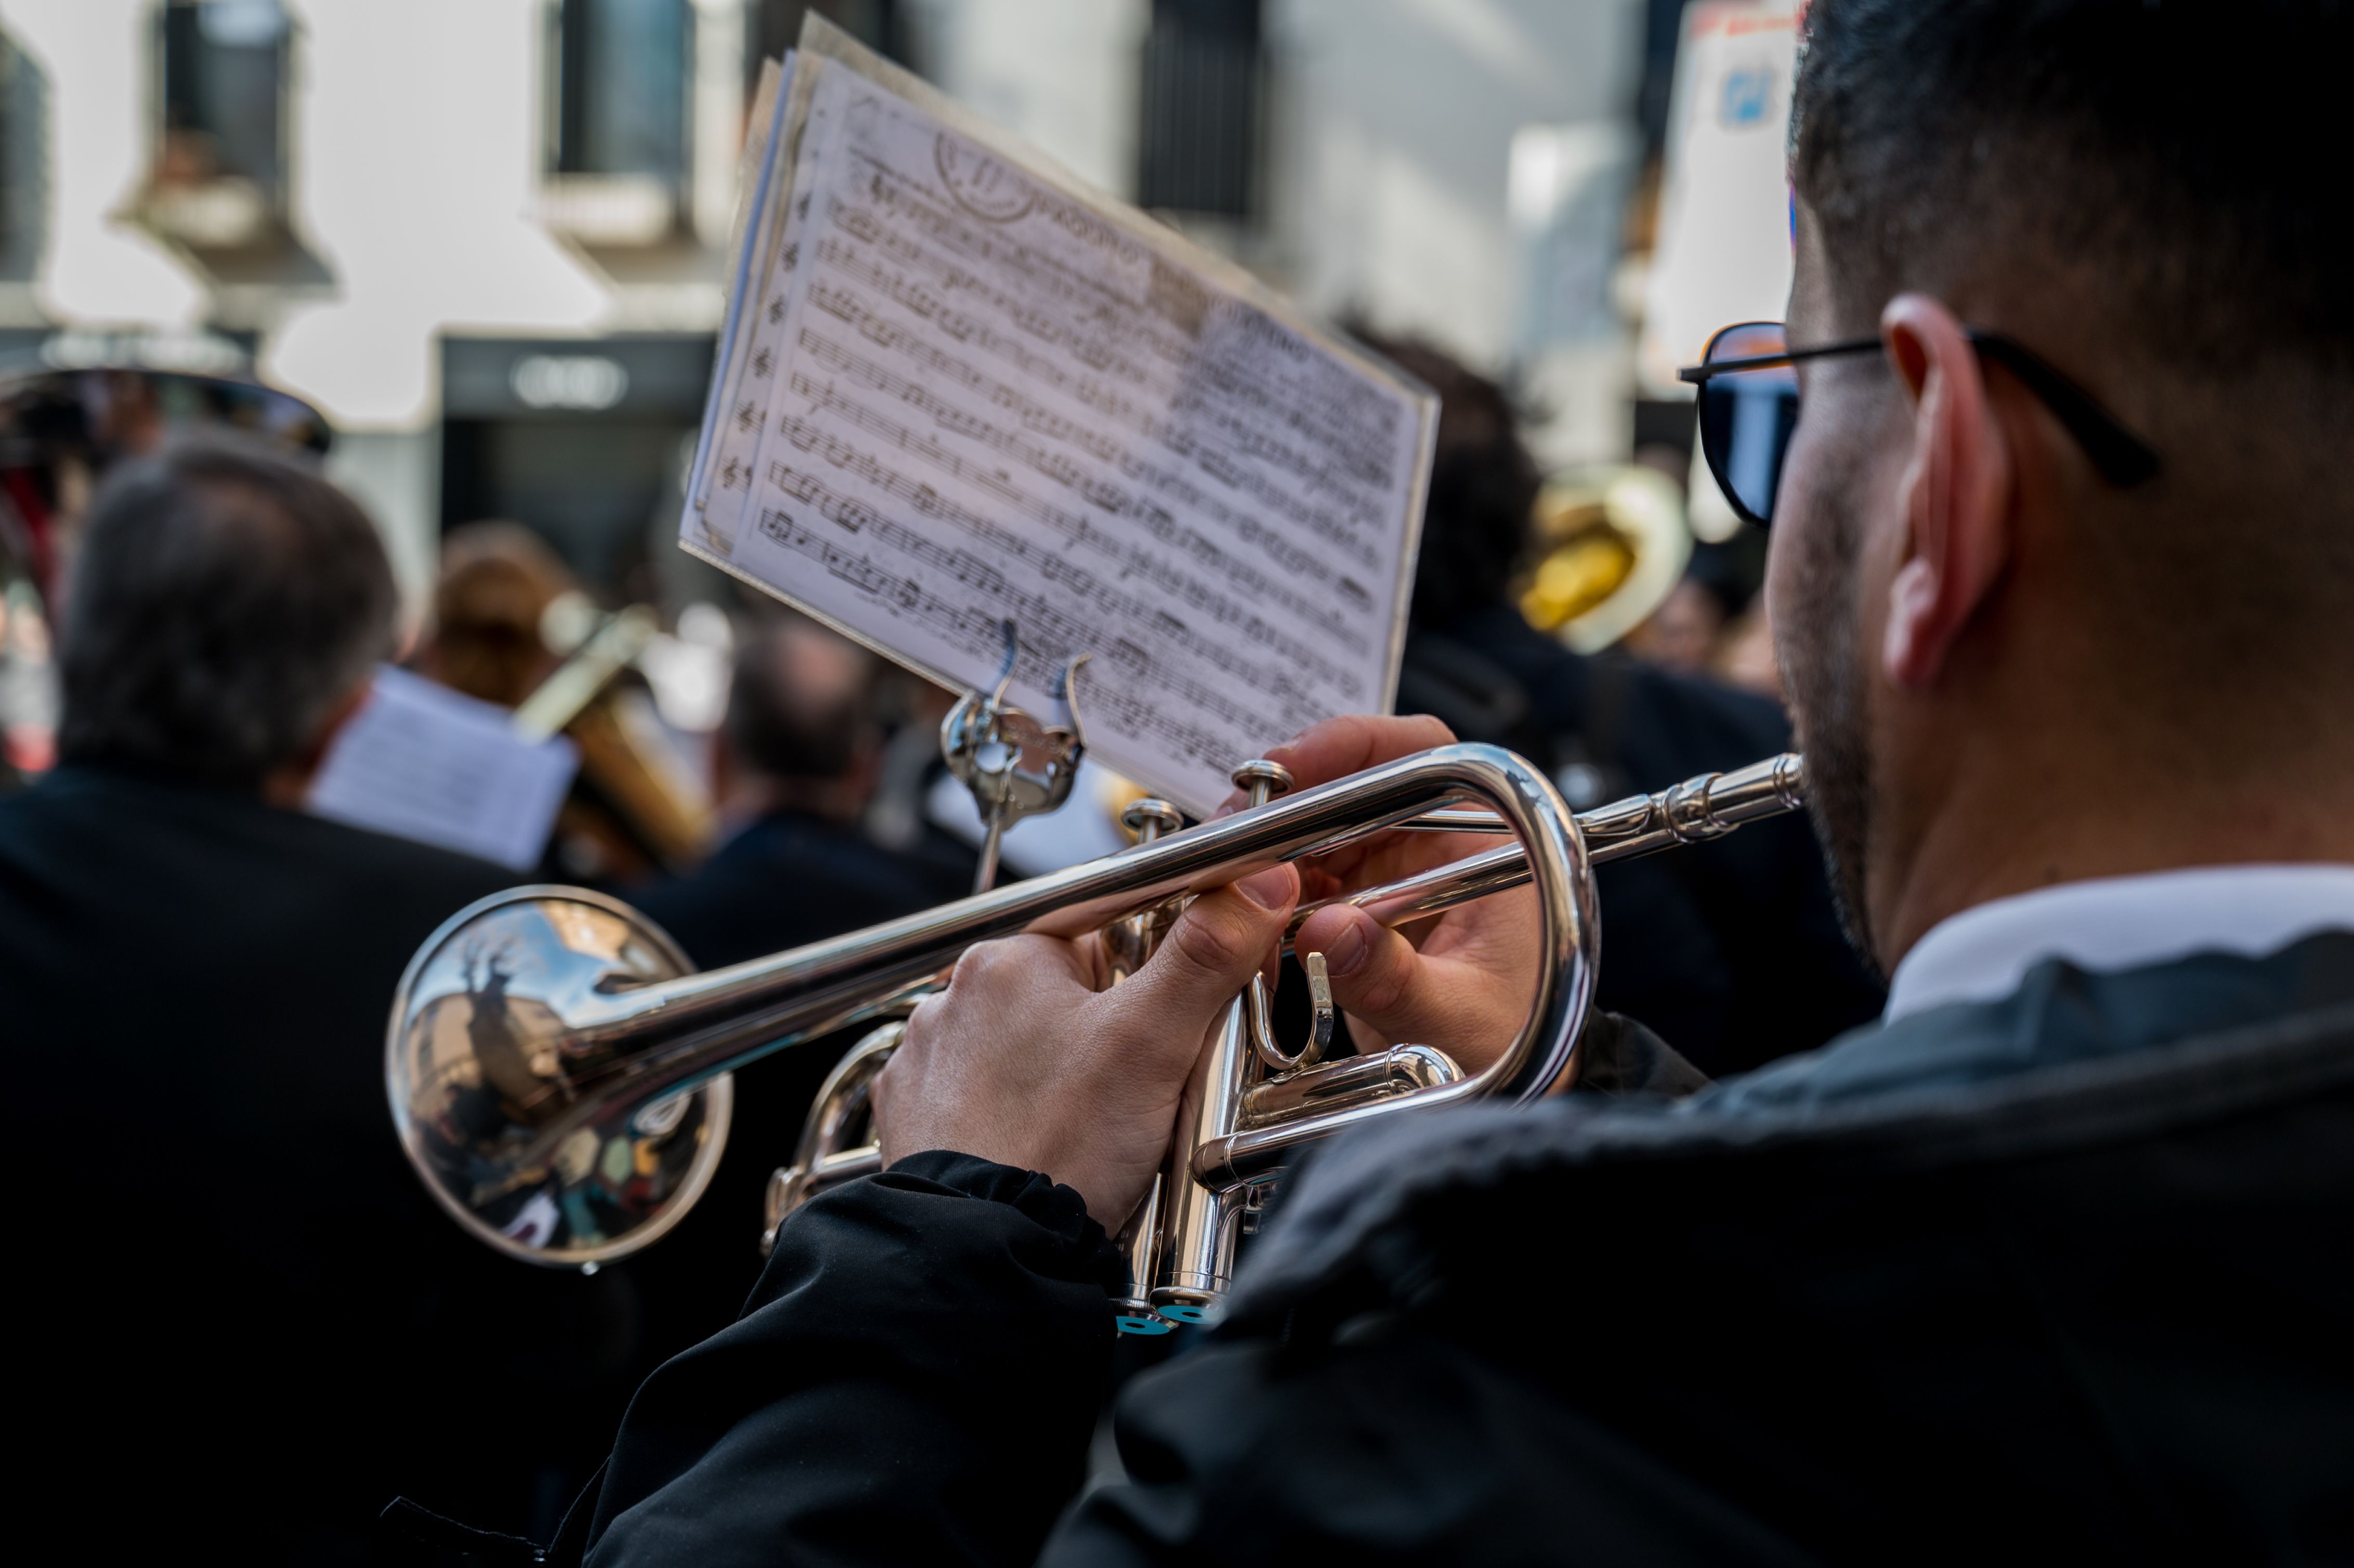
1955	493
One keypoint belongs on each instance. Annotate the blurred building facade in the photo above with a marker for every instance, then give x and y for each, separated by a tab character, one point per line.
486	237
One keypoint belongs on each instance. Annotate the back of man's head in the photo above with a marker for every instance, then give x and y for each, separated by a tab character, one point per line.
224	603
798	708
2150	195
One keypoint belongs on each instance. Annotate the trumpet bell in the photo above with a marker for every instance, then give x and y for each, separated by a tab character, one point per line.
481	1064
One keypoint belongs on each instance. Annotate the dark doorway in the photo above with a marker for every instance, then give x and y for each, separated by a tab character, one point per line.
584	441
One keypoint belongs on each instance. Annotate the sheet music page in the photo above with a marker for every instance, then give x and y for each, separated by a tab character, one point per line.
755	180
992	395
756	245
422	762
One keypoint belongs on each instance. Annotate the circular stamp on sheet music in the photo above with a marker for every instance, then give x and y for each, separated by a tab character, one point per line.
984	185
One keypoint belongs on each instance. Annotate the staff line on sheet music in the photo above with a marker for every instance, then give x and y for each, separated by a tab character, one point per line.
1366	419
806	437
890	338
1371	456
1040	271
1080	531
737	450
1354	467
1127	559
1048	622
1347	477
1095	394
1098	354
972	627
1163	524
1055	634
848	307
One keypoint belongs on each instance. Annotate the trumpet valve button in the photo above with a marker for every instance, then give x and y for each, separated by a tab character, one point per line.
1149	819
1263	778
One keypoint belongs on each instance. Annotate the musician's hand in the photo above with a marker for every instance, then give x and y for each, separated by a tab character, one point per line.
1032	1059
1461	983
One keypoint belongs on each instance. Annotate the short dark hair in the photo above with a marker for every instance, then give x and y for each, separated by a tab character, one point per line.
223	599
2151	192
2188	154
1476	529
791	716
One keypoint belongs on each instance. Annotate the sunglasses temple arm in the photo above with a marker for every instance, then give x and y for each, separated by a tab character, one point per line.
2121	457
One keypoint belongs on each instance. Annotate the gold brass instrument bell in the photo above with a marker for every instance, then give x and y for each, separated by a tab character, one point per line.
559	1078
1611	543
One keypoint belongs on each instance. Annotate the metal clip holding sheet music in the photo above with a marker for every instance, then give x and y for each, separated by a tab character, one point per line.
1014	766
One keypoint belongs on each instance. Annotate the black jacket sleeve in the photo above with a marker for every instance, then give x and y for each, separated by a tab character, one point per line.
915	1380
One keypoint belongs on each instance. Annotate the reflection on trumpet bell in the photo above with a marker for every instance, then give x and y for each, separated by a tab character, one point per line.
484	1101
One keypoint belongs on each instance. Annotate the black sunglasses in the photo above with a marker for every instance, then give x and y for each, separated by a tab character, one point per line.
1749	410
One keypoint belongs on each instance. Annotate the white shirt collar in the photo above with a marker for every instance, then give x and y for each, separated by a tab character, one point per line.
2119	922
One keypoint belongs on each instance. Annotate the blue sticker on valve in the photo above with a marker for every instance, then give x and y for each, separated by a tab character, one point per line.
1134	1325
1187	1314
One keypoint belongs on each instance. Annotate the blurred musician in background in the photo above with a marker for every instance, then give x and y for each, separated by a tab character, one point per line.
233	1286
793	768
506	612
2049	1265
1734	953
60	431
490	599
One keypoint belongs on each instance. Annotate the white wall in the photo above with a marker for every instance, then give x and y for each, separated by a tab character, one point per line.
416	141
1394	141
1063	73
396	476
98	272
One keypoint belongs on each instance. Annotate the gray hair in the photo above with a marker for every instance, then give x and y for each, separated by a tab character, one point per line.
223	600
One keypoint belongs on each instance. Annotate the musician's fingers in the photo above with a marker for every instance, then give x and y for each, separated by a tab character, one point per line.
1339	746
1317	881
1023	963
1094	960
1208	956
1381	982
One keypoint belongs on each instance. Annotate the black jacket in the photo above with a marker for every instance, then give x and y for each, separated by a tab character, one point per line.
2085	1292
230	1298
785	879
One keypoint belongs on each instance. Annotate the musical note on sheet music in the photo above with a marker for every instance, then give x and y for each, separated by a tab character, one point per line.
965	395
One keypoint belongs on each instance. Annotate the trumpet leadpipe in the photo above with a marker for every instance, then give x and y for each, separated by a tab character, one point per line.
1699	809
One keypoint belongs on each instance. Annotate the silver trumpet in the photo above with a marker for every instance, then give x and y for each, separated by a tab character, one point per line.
559	1077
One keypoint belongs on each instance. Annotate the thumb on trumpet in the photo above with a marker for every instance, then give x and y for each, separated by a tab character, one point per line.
1223	938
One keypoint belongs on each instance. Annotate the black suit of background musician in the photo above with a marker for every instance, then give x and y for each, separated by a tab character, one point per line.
256	1299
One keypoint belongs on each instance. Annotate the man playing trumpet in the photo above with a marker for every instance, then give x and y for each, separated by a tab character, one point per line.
2051	1261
